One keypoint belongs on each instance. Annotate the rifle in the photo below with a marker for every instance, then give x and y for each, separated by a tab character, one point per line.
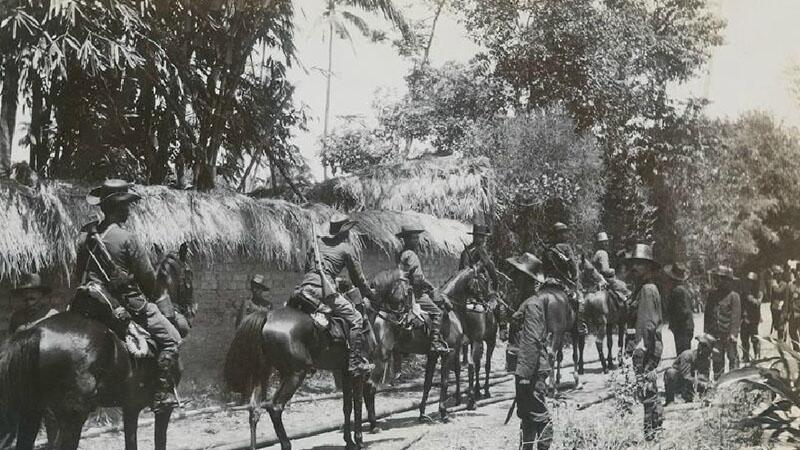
327	289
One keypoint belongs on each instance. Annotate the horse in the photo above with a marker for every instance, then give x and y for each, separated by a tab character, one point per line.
288	340
481	322
392	335
70	364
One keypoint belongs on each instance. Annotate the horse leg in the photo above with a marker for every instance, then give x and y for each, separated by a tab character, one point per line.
457	369
477	355
489	351
598	342
347	408
254	411
69	434
358	396
577	351
443	388
430	366
27	430
610	345
130	419
161	426
620	342
472	380
289	385
369	400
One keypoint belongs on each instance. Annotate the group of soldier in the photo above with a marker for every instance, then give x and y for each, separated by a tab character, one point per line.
114	262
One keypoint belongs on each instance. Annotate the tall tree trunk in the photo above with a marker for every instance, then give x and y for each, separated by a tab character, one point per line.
37	125
8	115
253	162
328	87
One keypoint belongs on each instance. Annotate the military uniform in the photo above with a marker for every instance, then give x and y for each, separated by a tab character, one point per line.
533	363
680	318
791	313
722	321
472	255
778	290
689	373
751	317
424	292
255	303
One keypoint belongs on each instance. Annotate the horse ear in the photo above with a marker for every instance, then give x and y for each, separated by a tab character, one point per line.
159	251
183	252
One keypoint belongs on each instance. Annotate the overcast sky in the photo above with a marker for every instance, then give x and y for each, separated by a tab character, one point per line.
750	71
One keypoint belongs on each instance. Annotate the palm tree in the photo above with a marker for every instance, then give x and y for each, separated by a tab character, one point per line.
340	13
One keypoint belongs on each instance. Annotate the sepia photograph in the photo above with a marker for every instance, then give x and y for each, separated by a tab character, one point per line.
400	224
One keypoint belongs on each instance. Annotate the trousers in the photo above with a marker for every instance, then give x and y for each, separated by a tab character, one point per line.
164	334
536	426
726	350
340	306
749	337
683	340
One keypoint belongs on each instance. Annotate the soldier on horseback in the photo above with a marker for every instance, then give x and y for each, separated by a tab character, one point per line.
560	262
336	253
424	292
114	266
476	253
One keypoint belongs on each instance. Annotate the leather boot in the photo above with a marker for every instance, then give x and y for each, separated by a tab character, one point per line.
357	361
167	366
438	345
527	433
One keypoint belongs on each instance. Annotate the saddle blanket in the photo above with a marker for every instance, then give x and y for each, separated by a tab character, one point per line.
138	341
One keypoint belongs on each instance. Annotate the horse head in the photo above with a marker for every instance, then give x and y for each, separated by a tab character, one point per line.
174	276
394	290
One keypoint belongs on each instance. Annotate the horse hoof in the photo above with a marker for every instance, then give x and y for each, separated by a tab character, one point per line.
424	418
580	371
374	429
471	406
487	395
445	419
611	366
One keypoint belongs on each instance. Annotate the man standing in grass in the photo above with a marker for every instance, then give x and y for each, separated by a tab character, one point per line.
723	318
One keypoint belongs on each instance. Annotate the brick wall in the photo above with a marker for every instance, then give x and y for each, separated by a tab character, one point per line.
219	289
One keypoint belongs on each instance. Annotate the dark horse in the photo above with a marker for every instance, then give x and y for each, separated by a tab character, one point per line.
481	320
71	364
393	335
288	341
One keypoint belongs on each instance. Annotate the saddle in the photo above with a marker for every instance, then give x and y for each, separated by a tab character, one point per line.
92	300
322	316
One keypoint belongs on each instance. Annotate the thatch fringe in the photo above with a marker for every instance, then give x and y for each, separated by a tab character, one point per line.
453	186
41	226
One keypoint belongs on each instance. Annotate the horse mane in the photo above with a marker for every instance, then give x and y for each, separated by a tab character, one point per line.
168	265
450	284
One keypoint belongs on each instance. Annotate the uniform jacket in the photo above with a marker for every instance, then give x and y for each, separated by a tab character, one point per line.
723	314
751	310
679	305
474	254
337	254
687	363
648	314
409	262
129	256
532	337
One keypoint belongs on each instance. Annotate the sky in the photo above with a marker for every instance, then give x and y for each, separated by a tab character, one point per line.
751	70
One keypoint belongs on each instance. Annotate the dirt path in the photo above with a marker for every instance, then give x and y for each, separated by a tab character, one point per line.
467	430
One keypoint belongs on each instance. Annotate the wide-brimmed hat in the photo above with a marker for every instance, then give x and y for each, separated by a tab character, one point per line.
643	252
677	271
114	190
560	226
752	276
409	230
706	339
32	282
723	272
601	237
260	281
609	273
480	230
339	223
529	265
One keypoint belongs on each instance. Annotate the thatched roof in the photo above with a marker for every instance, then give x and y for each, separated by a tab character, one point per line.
41	226
451	186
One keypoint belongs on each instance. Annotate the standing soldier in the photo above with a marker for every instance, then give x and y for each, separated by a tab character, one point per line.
647	340
689	372
32	292
600	259
751	317
258	300
778	289
113	260
723	318
533	363
476	253
424	292
791	312
679	306
336	254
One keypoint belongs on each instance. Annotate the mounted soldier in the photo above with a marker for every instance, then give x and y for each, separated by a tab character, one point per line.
600	259
114	266
476	254
424	292
334	254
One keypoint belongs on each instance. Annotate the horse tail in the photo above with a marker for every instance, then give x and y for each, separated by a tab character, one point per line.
246	363
19	372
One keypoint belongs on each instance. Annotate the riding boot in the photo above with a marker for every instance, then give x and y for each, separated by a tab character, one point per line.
528	433
167	366
358	362
438	345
